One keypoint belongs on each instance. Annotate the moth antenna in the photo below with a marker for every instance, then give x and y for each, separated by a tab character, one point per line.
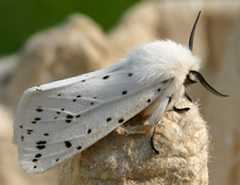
193	31
206	84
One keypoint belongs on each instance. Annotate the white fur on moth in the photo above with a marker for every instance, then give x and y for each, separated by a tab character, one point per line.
57	120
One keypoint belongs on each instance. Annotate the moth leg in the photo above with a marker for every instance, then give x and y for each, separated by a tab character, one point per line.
188	97
181	110
161	106
152	142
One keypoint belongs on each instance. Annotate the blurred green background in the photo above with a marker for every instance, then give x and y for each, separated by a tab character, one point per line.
19	19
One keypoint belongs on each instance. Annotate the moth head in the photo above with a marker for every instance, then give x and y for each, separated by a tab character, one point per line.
196	74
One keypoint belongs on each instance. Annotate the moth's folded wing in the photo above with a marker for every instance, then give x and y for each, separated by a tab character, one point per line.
57	120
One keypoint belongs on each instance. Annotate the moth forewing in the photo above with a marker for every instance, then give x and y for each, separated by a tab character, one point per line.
53	124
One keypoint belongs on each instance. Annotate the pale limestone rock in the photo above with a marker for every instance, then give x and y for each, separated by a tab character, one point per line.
223	114
120	158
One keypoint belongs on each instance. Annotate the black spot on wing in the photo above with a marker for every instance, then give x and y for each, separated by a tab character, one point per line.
105	77
68	144
124	92
89	131
130	74
108	119
79	147
77	116
59	112
37	119
40	147
41	142
46	134
34	160
149	100
39	109
121	120
35	167
29	132
68	121
69	116
38	155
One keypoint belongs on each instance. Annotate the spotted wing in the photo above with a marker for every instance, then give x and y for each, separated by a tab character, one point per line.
57	120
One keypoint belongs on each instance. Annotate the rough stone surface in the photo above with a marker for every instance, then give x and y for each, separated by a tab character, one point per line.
125	156
224	118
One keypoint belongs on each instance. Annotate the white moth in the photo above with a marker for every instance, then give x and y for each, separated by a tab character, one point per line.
57	120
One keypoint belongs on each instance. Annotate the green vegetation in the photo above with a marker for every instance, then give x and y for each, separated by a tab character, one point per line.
21	18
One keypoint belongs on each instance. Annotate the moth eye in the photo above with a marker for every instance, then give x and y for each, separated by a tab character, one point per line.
188	80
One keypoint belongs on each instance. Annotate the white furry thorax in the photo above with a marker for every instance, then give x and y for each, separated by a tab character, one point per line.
162	60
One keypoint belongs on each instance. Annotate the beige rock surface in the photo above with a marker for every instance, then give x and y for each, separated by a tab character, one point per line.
78	46
225	118
121	158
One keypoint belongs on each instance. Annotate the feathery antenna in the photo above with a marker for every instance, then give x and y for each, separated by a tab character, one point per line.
193	31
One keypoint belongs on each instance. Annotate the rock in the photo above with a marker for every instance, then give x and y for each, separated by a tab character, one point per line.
224	118
126	157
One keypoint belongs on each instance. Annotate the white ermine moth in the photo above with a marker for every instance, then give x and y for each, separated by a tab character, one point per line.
57	120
